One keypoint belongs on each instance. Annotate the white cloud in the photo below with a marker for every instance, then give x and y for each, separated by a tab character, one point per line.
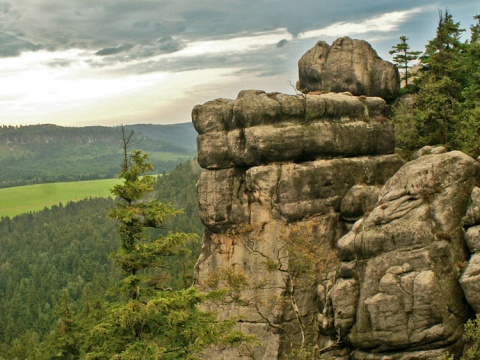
34	91
383	23
241	43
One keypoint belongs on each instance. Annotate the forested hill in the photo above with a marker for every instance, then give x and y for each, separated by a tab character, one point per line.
62	255
49	153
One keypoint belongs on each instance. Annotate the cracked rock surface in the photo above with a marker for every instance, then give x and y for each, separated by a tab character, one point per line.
402	273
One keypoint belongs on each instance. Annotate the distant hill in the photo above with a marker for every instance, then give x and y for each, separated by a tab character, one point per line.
49	153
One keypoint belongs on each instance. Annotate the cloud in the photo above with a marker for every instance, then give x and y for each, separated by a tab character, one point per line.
169	44
236	44
98	25
13	46
56	50
114	50
384	23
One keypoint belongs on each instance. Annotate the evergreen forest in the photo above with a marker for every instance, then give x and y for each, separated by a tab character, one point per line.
440	104
57	260
49	153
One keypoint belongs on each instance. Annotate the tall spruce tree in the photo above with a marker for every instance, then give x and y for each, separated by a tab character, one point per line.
441	53
437	114
148	320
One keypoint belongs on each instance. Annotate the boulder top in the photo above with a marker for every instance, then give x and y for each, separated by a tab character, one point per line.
348	65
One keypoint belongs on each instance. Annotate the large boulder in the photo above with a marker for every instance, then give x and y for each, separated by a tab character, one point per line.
289	191
278	167
348	65
407	253
295	181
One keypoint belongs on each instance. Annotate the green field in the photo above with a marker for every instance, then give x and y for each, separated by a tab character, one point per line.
24	199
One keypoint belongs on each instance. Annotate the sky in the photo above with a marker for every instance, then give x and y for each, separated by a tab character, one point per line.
111	62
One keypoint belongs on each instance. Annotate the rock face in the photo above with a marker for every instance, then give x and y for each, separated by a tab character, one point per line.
279	166
328	244
348	65
260	128
470	280
407	253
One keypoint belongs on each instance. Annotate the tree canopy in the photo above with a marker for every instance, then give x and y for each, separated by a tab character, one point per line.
446	101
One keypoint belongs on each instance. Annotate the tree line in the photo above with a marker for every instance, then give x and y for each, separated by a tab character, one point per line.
443	95
47	153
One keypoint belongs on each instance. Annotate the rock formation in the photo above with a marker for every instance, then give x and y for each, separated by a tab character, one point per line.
407	255
348	65
276	161
470	279
327	241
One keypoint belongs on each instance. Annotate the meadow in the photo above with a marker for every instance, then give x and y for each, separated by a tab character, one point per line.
32	198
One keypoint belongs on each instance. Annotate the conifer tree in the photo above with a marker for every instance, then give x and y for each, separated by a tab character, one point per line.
441	52
404	57
147	320
445	105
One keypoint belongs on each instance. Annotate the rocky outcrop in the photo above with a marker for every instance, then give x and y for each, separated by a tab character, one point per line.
348	65
280	165
325	240
470	280
407	253
260	128
395	287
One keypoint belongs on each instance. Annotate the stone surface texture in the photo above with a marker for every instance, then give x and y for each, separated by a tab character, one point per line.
275	163
296	180
348	65
406	251
470	279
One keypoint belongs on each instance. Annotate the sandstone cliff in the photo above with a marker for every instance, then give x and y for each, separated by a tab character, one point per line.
327	241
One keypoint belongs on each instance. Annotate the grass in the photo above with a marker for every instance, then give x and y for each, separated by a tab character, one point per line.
25	199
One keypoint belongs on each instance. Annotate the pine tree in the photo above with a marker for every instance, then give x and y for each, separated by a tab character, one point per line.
441	53
148	320
404	57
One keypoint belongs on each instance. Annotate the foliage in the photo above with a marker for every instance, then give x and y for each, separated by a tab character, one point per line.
168	326
49	256
472	339
149	320
446	105
471	336
441	53
437	111
58	258
404	57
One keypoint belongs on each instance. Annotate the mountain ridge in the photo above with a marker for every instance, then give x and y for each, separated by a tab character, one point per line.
35	154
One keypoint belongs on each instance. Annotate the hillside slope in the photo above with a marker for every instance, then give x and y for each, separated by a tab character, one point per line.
49	153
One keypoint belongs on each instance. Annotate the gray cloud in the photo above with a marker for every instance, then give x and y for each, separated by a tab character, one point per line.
147	28
114	50
60	63
102	24
13	45
239	43
168	44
